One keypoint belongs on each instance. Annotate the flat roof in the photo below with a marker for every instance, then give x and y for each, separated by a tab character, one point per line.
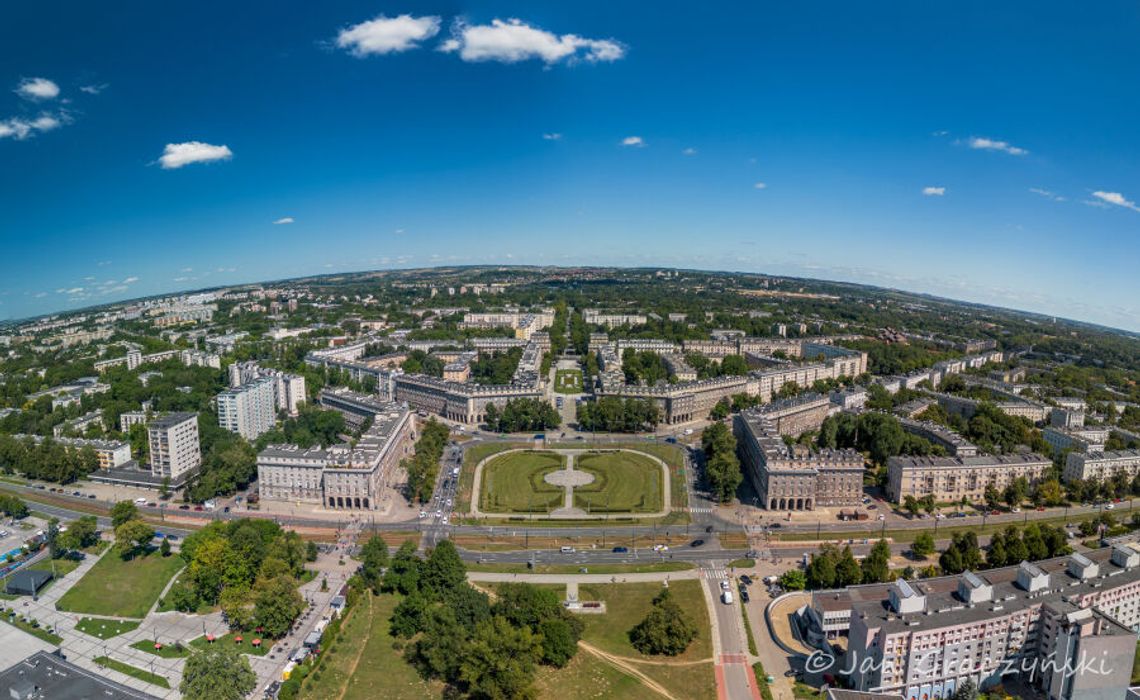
59	679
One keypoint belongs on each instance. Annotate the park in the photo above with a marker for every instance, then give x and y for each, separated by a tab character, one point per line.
572	483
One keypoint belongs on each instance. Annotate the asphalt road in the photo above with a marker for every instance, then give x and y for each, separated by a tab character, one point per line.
734	673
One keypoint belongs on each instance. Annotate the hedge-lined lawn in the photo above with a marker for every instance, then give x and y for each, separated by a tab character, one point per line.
471	458
118	588
624	482
513	483
230	639
568	381
168	651
132	671
105	629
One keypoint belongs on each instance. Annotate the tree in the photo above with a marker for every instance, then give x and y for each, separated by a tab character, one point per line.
847	571
81	533
910	505
374	557
793	580
13	507
164	548
877	564
993	498
821	569
132	536
1016	492
217	672
123	511
276	605
443	572
923	545
403	573
665	630
499	661
1049	492
966	691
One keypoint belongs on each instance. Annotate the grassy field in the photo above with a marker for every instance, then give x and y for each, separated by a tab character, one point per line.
513	483
246	646
118	588
133	671
471	457
624	482
350	671
568	381
587	677
105	629
626	605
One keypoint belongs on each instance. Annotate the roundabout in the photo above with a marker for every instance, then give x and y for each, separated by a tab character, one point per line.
571	484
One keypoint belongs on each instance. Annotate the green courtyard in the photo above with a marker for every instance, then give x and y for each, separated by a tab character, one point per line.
624	482
568	381
513	483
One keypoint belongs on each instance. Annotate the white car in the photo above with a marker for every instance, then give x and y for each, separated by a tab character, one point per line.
438	513
1110	506
449	503
725	585
882	516
423	513
444	521
140	500
1014	510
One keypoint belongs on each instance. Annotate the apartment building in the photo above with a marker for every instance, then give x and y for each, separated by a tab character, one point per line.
1101	465
954	444
795	478
174	447
111	453
250	409
341	477
954	478
1066	627
1079	439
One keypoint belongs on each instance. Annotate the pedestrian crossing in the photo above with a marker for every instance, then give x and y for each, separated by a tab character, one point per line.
714	573
699	510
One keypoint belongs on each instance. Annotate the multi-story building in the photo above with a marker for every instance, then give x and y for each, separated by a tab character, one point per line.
955	478
250	409
1064	627
288	389
80	425
340	477
613	319
1079	439
174	448
111	453
1101	465
954	444
795	478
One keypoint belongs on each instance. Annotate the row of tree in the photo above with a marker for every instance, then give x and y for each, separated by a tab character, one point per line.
831	567
612	414
423	466
48	461
496	368
522	414
877	434
731	365
722	467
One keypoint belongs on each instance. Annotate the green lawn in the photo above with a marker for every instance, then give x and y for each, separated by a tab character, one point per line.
168	651
568	381
626	605
230	639
105	629
118	588
349	672
624	482
132	671
513	483
587	677
471	457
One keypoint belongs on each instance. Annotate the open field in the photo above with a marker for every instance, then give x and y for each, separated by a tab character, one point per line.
587	677
624	482
513	483
568	381
230	639
118	588
168	651
367	664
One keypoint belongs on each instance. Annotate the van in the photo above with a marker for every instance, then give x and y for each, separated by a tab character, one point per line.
566	550
140	501
726	597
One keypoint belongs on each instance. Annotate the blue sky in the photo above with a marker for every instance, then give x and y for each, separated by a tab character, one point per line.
982	151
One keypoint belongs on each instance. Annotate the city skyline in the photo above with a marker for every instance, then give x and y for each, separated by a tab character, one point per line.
955	152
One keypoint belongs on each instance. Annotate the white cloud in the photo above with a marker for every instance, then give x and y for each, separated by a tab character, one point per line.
20	128
933	191
634	141
94	89
689	152
984	144
1116	199
761	185
177	155
37	89
384	35
513	40
284	220
130	280
554	136
1047	194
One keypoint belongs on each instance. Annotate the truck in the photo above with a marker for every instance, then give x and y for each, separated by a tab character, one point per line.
726	597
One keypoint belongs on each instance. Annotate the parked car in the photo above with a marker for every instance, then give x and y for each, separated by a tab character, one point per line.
696	543
184	506
746	579
620	550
